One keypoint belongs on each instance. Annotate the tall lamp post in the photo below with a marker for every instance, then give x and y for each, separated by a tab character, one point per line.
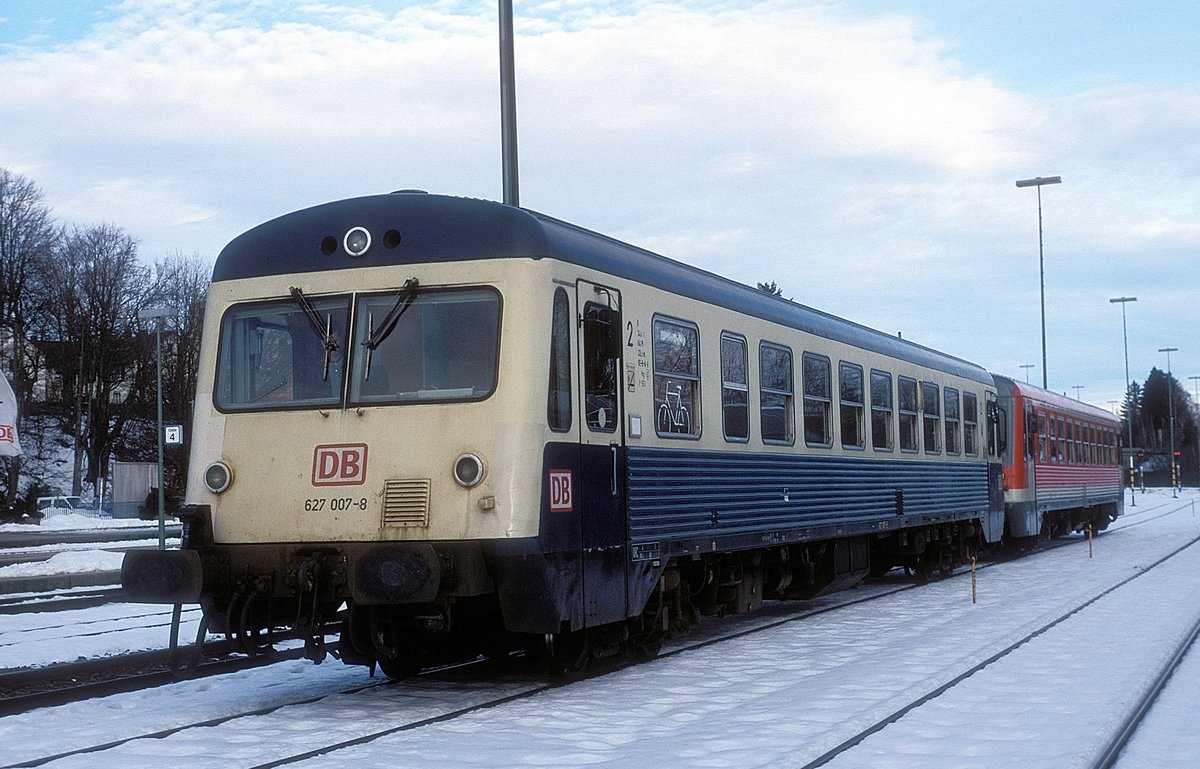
508	107
1171	413
1038	182
1027	366
1124	300
158	314
1196	381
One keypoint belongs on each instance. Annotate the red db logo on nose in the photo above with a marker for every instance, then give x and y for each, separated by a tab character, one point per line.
343	464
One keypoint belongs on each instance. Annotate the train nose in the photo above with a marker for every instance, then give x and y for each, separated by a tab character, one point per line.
162	576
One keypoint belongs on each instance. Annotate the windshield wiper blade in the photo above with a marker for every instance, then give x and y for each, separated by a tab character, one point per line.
324	333
404	299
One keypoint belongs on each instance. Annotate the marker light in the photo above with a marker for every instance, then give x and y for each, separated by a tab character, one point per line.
218	477
468	470
357	241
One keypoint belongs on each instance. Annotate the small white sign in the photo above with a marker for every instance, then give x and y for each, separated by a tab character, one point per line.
173	435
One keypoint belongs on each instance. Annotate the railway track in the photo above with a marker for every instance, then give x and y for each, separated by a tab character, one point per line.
459	692
855	749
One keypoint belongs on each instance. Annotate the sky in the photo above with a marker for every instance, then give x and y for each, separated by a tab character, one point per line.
861	154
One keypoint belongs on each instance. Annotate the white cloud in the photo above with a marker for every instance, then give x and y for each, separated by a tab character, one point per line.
849	158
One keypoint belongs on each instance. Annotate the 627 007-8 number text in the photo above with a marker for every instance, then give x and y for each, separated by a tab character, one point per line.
336	504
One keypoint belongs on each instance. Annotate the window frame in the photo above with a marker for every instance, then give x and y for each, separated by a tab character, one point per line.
657	374
951	428
789	396
728	385
970	424
888	410
823	402
857	408
910	416
931	421
561	364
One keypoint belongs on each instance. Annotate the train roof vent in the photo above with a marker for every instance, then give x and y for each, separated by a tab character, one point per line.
406	502
410	192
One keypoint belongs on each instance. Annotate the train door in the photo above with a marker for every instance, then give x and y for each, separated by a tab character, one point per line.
601	492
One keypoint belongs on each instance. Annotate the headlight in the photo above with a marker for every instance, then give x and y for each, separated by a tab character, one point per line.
357	241
469	470
218	477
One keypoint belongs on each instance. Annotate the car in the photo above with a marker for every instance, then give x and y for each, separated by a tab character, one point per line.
64	504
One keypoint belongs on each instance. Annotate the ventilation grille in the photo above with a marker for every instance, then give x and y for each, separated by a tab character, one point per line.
406	502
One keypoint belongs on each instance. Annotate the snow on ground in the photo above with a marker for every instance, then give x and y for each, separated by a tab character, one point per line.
775	698
74	562
77	522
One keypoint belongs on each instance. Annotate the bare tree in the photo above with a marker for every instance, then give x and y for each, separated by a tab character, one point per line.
101	284
181	283
27	238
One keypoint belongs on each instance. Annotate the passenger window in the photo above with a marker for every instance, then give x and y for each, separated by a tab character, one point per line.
601	371
881	411
850	387
907	396
930	417
734	388
952	419
776	393
970	424
677	378
558	405
818	390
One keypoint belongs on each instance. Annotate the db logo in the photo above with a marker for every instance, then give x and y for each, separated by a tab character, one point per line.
343	464
561	500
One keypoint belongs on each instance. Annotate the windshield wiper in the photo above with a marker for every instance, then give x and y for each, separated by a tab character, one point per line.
375	336
325	333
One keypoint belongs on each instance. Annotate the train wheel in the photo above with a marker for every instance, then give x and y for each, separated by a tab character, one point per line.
567	654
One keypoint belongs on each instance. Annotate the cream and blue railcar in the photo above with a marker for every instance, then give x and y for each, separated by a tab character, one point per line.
455	426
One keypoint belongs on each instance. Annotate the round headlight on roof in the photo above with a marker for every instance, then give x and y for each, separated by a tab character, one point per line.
218	477
357	241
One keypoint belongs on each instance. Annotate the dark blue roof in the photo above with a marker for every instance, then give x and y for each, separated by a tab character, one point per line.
437	228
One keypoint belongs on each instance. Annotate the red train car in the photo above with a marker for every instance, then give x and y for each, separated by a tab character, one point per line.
1061	463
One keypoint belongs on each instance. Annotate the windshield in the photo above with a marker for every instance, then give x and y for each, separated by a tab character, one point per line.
443	346
271	356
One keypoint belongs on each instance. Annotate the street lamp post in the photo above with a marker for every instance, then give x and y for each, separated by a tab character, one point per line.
508	107
1038	182
158	314
1196	380
1171	414
1124	300
1027	366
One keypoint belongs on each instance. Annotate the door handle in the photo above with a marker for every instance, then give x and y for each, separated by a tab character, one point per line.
613	487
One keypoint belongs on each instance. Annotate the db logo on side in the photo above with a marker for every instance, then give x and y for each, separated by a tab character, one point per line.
342	464
561	499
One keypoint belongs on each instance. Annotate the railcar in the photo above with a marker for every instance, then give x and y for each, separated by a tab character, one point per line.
450	427
1061	463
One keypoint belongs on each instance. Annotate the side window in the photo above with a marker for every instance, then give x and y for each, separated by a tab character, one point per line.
676	378
818	390
881	411
952	419
734	388
970	424
601	373
850	387
558	402
930	417
1043	434
776	393
907	396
